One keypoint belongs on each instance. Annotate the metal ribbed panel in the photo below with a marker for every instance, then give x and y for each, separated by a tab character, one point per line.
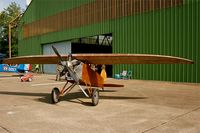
93	12
172	31
136	28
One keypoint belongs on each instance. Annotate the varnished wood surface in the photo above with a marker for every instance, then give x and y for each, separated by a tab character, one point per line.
101	59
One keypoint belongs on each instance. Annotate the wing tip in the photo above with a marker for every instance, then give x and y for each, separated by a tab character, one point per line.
188	62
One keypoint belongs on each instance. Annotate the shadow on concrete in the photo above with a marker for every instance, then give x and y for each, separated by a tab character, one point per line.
105	90
22	93
46	97
7	76
19	75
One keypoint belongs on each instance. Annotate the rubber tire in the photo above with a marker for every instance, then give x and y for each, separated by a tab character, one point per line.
95	97
55	95
29	79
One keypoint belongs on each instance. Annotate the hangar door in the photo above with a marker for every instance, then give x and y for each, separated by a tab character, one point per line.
62	47
94	44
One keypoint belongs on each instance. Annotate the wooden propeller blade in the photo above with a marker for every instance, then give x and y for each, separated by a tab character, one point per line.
57	53
101	59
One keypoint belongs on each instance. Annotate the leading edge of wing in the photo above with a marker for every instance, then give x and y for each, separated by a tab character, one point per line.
34	59
110	59
107	59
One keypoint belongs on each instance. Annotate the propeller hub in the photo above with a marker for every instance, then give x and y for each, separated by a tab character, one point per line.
64	63
69	64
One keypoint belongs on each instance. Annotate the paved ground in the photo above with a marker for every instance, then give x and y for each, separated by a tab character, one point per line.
141	106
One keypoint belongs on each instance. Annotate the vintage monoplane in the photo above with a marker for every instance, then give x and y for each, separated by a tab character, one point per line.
77	66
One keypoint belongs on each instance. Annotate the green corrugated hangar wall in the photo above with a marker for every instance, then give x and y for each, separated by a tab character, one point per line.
169	31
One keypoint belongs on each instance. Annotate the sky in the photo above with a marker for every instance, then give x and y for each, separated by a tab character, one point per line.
5	3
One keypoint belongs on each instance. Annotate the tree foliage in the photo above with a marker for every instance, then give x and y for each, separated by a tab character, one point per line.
6	16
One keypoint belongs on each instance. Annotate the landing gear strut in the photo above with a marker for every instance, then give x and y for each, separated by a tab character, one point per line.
56	93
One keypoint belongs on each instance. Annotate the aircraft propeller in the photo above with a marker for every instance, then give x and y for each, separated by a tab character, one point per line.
67	64
57	53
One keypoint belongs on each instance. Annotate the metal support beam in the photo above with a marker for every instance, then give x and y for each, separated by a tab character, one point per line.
9	39
10	26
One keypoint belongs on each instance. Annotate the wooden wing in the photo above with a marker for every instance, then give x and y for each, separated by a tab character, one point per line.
107	59
131	59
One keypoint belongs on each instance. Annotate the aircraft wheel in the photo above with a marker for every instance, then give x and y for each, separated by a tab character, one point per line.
55	95
95	97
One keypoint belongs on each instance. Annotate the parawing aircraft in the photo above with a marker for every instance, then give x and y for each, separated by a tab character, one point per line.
77	66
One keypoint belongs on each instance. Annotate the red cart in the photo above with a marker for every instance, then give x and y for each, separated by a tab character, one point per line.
27	77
